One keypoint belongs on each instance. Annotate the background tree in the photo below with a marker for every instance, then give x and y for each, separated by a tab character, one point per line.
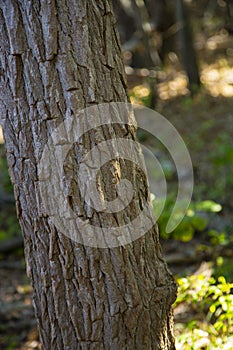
187	52
57	58
170	30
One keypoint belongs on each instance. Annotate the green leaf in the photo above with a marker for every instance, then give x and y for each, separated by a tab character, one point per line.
208	206
199	223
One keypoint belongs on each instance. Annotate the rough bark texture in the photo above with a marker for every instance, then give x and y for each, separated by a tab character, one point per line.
57	57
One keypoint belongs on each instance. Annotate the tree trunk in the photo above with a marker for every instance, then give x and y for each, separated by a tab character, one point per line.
57	57
187	51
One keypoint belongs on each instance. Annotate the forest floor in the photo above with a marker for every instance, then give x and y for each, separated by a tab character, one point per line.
205	122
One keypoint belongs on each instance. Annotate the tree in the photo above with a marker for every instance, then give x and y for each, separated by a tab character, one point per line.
188	54
58	57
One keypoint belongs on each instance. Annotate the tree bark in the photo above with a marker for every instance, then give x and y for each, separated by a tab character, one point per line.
57	57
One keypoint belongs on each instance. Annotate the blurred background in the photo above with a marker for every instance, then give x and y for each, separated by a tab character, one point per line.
179	61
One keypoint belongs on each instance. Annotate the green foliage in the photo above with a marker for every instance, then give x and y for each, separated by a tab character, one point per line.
9	225
220	160
214	299
193	220
224	267
208	206
223	150
218	238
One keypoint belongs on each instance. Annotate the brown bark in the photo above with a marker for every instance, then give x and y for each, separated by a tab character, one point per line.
56	58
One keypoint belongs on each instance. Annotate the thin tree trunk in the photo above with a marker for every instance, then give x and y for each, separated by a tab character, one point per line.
57	57
187	51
